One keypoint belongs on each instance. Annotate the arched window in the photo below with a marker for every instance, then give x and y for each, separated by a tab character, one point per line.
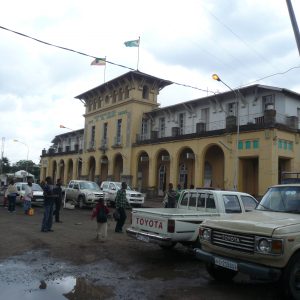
126	92
120	96
114	97
145	92
106	99
207	174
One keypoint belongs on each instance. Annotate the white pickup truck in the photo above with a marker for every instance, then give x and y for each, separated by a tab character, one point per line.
168	226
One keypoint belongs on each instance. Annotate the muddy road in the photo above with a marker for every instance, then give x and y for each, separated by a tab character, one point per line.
70	263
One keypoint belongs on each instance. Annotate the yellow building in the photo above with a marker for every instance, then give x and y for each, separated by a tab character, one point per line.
235	140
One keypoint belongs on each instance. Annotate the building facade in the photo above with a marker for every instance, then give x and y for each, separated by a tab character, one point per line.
240	139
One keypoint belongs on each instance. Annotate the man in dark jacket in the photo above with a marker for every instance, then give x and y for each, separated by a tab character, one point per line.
57	191
121	203
48	205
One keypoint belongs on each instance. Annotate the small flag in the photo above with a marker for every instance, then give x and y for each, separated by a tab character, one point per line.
98	62
134	43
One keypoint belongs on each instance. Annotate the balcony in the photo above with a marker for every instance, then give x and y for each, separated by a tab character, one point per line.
117	142
269	119
91	146
104	144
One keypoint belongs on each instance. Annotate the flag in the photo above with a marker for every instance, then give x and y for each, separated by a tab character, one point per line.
98	62
134	43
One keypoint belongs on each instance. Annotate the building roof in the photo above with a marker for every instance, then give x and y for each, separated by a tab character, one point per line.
129	75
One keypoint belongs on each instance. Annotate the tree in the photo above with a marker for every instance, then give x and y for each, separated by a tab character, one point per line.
5	165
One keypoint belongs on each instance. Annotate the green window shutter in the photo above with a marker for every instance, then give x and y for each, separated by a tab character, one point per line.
255	144
240	146
248	145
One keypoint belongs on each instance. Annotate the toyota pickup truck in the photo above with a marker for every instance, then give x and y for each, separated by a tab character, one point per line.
168	226
264	244
83	193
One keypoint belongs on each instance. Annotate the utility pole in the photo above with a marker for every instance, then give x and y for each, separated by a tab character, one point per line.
294	23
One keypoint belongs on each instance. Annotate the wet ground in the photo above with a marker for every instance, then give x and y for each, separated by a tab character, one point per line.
70	264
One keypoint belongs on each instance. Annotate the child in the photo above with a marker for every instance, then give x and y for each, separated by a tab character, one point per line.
100	212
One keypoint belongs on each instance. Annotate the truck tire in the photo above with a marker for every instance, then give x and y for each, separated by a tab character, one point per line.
291	278
219	273
81	201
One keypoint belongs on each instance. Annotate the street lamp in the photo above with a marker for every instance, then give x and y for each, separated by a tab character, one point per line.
17	141
236	167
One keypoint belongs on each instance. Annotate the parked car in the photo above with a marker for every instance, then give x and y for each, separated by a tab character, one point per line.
110	189
83	193
264	243
38	193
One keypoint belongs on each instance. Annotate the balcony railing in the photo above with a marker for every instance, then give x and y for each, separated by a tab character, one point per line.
201	128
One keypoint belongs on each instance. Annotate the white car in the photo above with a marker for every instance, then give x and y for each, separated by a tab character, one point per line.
38	193
110	189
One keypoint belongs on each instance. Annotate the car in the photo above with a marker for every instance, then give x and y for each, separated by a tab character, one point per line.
110	189
38	193
264	243
83	193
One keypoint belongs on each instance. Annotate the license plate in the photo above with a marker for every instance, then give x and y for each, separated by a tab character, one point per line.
228	264
142	238
39	200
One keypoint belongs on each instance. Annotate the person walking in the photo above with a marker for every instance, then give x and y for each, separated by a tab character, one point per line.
57	191
28	196
48	205
100	212
171	194
121	203
11	194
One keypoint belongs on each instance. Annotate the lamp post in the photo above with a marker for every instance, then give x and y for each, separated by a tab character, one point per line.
17	141
236	164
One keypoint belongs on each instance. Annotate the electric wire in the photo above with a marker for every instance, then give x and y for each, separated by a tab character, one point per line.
129	68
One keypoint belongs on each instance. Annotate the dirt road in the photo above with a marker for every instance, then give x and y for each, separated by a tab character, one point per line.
120	268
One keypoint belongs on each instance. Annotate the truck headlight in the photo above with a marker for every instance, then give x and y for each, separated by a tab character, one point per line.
205	234
269	246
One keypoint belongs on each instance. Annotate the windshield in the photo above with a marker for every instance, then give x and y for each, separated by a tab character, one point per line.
36	187
118	184
89	185
281	199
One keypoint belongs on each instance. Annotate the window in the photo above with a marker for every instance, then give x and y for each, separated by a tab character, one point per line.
119	128
249	203
193	200
232	204
248	144
210	201
268	102
94	104
231	109
204	115
112	186
120	95
201	200
106	99
255	144
240	145
162	127
114	97
104	140
92	142
144	132
184	200
145	92
126	92
181	123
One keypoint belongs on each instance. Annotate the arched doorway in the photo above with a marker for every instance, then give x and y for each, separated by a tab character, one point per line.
186	168
69	170
118	167
54	171
103	168
213	167
143	172
163	171
61	172
92	168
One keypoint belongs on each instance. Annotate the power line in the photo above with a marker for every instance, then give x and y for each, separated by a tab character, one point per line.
122	66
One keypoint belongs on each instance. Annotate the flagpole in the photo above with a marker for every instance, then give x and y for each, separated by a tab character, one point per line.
104	70
137	66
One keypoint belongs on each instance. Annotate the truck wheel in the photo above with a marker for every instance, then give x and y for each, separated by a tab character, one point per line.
168	247
219	273
80	202
291	278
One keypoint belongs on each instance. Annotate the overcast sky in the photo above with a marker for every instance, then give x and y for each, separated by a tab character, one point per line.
182	41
